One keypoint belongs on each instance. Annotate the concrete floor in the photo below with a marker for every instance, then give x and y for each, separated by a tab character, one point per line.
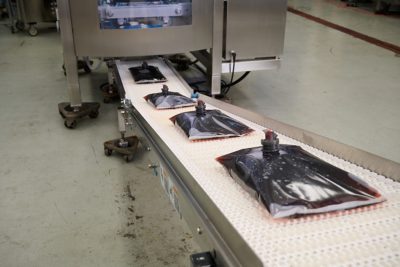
62	203
331	84
385	28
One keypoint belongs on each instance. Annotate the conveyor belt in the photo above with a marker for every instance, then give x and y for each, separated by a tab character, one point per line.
368	236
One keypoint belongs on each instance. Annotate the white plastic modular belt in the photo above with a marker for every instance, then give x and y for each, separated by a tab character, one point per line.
367	236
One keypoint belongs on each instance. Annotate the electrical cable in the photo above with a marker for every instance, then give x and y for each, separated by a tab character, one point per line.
238	80
225	88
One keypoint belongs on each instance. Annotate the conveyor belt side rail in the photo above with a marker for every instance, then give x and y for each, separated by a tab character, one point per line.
199	211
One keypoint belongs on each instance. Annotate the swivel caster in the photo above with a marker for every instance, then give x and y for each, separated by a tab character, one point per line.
72	114
33	31
125	146
70	124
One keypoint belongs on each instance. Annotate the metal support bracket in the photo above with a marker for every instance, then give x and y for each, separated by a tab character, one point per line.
216	51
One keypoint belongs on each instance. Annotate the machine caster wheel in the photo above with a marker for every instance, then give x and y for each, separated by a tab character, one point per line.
94	114
128	158
13	30
33	31
20	25
72	114
108	152
118	146
70	124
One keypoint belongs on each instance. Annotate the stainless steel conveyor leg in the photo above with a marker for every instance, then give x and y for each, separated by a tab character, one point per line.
125	146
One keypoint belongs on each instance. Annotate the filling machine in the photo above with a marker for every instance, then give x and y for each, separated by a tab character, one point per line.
225	36
232	226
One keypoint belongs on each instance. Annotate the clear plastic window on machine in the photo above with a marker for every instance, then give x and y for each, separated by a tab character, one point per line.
143	14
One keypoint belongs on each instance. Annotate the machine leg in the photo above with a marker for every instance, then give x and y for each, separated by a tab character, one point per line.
20	25
109	90
125	146
75	109
11	14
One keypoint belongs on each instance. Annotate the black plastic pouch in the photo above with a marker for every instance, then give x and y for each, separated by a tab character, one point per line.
169	100
147	74
290	181
208	124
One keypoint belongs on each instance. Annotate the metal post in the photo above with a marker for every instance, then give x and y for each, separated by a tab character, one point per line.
70	59
216	51
21	11
10	14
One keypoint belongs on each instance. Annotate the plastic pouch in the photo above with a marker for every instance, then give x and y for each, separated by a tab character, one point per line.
169	100
147	74
208	124
290	181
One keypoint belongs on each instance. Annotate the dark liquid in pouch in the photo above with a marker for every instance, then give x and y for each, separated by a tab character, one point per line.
147	74
169	100
292	181
212	124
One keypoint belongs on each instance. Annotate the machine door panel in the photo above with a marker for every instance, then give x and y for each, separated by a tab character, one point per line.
120	28
255	28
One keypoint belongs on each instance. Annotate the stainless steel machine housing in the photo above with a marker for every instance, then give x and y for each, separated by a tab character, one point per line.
253	30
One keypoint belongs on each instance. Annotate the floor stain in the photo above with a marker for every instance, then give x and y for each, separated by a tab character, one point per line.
131	236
